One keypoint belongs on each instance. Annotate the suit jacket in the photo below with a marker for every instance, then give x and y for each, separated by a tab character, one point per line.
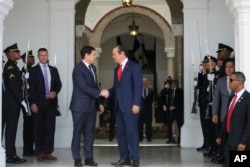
146	111
37	86
240	122
85	89
128	91
220	100
178	103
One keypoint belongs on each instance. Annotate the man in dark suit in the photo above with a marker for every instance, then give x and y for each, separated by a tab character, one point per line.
175	110
45	84
236	126
127	90
12	101
146	115
219	106
28	135
85	103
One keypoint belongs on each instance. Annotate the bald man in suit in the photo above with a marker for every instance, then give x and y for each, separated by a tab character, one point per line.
236	126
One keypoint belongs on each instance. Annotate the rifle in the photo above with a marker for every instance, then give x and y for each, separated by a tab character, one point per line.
26	106
195	106
210	77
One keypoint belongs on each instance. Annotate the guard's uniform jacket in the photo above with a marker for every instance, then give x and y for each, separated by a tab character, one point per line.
13	83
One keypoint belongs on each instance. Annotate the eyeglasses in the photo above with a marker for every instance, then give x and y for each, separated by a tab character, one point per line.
231	80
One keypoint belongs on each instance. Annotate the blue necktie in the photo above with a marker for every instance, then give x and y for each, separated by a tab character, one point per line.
92	72
46	82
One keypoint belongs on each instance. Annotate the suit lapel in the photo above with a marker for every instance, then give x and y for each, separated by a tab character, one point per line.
241	99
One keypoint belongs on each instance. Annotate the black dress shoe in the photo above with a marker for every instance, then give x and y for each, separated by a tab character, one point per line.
15	160
202	148
171	141
134	163
78	162
210	154
90	162
218	160
29	153
121	162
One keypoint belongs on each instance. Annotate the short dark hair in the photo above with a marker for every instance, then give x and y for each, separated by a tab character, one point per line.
42	49
121	49
239	75
86	49
230	60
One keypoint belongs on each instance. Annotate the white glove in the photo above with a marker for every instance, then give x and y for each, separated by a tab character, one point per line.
27	75
195	82
210	77
164	108
25	106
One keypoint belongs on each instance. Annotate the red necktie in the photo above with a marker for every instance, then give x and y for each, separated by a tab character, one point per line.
230	112
119	72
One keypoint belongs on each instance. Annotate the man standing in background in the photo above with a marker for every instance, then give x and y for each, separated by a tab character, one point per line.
45	84
146	115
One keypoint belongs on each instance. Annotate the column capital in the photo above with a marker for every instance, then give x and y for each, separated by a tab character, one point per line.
5	6
238	6
62	4
98	51
170	52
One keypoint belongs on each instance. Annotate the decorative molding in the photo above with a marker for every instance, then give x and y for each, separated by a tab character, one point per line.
98	52
5	6
80	29
170	52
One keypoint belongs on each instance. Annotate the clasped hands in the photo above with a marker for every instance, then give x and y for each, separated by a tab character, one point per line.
105	93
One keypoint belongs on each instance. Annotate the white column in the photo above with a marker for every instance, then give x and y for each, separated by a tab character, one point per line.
195	23
5	6
98	53
170	52
241	13
62	44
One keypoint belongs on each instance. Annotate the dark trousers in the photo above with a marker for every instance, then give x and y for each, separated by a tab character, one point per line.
44	129
12	116
127	135
171	117
83	123
207	127
3	122
144	119
28	134
112	125
219	148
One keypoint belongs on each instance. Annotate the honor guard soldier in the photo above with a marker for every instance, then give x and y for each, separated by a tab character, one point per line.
223	53
28	135
205	86
12	101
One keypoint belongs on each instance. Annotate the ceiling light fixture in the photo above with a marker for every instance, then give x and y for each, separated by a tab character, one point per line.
133	29
127	2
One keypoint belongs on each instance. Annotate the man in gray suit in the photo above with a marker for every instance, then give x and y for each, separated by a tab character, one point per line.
220	102
85	103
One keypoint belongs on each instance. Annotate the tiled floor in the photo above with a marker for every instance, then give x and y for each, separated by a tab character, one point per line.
154	154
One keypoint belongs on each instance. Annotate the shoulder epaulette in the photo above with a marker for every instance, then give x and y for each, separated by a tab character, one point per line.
12	76
10	67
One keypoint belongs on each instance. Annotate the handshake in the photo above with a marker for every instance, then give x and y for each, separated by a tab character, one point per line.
105	93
